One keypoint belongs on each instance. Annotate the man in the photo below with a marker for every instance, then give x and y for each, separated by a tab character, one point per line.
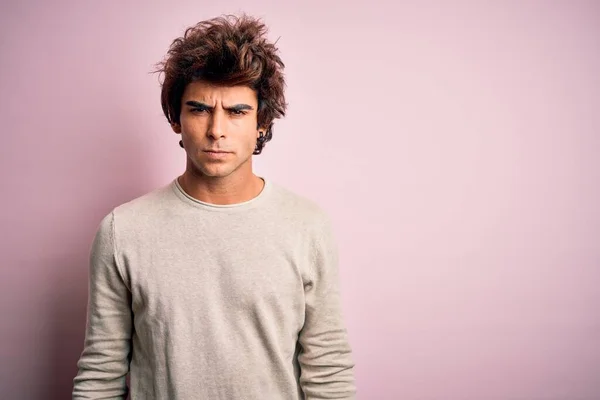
221	285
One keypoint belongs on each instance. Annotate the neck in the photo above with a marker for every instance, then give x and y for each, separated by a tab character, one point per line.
233	189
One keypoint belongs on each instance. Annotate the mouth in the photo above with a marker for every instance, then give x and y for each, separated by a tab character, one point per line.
216	154
217	151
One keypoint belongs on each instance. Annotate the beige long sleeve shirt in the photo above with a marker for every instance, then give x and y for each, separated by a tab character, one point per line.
210	302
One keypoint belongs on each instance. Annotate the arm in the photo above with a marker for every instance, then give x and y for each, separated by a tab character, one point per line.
104	362
326	365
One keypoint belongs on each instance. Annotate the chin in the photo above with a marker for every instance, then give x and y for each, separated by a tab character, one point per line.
216	174
215	170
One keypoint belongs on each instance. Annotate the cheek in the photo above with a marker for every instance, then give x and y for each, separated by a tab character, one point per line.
192	127
246	134
252	141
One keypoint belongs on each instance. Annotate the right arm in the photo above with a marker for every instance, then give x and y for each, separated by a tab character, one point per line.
104	362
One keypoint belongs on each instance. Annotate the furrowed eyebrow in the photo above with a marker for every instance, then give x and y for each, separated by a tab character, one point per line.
236	107
198	104
239	107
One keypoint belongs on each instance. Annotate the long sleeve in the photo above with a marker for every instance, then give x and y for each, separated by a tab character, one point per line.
104	361
326	363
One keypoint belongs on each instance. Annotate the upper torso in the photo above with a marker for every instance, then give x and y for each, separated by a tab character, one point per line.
217	294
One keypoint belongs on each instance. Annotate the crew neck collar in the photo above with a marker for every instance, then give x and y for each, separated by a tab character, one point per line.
186	198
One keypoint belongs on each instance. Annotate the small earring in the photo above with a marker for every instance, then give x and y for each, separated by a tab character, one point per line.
181	144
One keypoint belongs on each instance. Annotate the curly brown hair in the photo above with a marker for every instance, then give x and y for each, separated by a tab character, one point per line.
226	50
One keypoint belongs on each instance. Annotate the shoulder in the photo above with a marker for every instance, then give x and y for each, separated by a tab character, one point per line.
299	207
138	210
147	203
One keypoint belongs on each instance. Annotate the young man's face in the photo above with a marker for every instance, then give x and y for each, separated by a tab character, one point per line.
218	125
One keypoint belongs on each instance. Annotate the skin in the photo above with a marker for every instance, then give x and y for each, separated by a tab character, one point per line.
222	118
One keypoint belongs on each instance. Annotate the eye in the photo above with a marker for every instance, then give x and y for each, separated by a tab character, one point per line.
238	112
198	110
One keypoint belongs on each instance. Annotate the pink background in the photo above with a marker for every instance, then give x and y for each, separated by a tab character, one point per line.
455	145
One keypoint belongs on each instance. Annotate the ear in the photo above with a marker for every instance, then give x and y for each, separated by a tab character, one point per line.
176	127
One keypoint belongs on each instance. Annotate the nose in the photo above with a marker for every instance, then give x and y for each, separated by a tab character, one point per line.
215	128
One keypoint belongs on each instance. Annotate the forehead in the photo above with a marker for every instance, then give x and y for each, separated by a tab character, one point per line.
212	94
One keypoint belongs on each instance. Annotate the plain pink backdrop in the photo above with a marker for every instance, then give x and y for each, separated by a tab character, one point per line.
455	145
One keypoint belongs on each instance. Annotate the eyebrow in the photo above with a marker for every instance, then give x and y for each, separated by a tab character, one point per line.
236	107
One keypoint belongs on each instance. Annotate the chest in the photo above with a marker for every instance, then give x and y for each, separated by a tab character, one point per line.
231	276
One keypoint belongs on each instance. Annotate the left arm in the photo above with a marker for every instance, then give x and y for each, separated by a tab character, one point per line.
326	364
